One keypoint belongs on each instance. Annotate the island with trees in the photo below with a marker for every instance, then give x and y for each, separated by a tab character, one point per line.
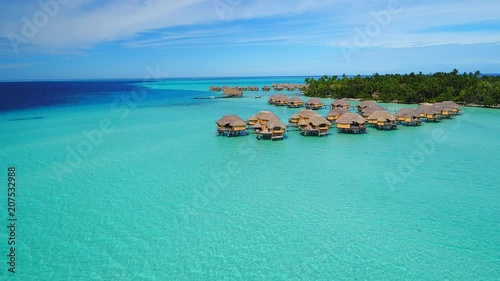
467	88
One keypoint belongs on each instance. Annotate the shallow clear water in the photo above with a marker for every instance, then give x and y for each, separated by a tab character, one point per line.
159	197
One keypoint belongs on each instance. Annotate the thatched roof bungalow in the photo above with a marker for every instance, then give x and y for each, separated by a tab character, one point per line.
317	126
281	100
267	125
366	108
278	99
266	88
215	88
295	102
455	108
408	117
351	123
314	104
231	126
382	120
447	109
232	93
335	113
343	103
274	129
301	118
428	113
252	120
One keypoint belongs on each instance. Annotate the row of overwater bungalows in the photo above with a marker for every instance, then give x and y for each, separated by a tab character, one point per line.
274	86
267	125
295	102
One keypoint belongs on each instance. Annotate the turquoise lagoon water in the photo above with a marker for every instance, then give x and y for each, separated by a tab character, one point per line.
159	197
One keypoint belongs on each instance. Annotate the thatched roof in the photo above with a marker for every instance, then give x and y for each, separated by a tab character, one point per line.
281	97
450	104
275	122
253	118
406	112
232	92
367	111
341	102
306	113
382	115
319	120
427	109
295	116
265	115
338	111
446	106
296	100
314	101
231	120
303	122
350	118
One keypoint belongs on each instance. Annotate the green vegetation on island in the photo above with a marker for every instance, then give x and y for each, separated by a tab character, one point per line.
467	88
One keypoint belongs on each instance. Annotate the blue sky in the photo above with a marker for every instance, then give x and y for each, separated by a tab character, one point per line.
86	39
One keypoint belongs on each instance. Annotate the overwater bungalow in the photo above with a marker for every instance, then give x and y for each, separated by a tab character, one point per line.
281	100
343	103
274	129
279	88
335	114
314	104
301	118
317	126
231	126
278	99
445	110
295	102
455	108
408	117
366	108
352	123
272	99
215	88
294	120
382	120
232	93
252	120
428	113
266	88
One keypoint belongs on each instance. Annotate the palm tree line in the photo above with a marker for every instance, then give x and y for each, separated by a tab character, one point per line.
466	88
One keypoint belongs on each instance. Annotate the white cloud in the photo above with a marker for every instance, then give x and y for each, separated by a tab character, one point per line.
83	24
